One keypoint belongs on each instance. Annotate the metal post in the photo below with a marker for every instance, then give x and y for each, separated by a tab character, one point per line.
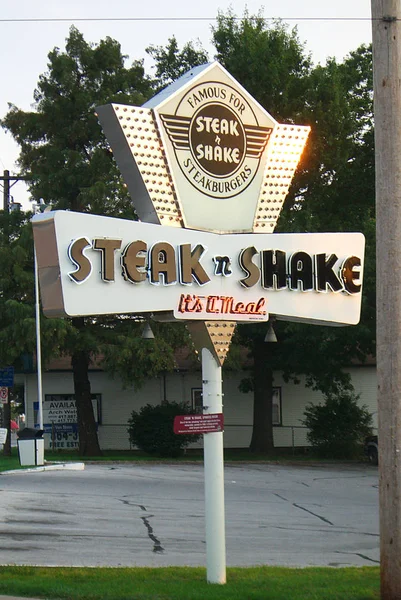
214	473
386	30
38	344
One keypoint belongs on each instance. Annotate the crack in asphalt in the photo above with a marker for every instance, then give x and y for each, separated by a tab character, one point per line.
157	547
340	477
281	497
360	556
335	531
312	513
128	503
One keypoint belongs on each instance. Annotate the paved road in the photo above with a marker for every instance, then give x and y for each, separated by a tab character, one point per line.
153	515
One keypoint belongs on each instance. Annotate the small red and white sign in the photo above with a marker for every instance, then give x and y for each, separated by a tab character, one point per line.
196	424
3	395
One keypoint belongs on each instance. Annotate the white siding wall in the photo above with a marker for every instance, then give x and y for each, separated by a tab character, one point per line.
118	403
365	384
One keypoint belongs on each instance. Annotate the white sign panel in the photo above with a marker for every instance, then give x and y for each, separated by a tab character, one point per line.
3	435
97	265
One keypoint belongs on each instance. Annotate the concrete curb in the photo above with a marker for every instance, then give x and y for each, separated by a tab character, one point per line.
16	598
48	467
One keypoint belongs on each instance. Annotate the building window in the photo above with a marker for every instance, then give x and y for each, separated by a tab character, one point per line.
197	400
276	406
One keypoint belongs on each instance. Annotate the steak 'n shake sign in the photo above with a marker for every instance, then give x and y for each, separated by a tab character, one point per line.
118	266
204	158
208	170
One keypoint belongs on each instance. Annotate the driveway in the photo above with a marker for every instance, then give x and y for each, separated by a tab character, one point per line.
153	515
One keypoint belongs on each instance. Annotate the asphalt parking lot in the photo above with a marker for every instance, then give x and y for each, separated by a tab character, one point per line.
153	515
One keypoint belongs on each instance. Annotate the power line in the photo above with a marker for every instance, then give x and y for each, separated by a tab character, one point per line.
174	19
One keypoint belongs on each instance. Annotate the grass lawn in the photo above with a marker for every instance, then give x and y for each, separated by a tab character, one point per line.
8	463
184	583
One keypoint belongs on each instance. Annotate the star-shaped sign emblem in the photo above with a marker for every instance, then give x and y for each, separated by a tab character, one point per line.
203	154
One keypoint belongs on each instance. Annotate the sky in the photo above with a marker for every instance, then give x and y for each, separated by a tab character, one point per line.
30	30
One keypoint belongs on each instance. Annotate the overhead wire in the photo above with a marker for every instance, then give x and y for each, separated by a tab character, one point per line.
173	19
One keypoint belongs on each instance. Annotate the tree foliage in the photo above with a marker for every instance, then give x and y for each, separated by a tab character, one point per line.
268	60
63	151
333	190
17	295
338	427
65	157
152	429
171	62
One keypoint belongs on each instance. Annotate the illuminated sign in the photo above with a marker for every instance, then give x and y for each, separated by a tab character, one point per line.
98	265
204	158
219	146
223	307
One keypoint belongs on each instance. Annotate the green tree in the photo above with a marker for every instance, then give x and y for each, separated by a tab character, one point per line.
269	60
339	426
333	191
151	429
65	157
17	295
171	63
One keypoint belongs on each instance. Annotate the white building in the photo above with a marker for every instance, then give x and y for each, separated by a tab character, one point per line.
114	404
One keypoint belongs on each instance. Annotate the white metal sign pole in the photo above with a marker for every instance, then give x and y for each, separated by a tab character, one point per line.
38	344
214	473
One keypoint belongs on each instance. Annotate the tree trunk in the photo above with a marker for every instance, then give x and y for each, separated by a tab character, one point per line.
88	440
262	433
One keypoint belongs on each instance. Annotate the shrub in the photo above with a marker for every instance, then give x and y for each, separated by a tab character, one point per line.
151	429
338	428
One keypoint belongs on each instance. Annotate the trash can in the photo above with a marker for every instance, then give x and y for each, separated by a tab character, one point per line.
31	447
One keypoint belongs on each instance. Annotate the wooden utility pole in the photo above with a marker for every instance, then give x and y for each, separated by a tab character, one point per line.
6	190
386	28
7	406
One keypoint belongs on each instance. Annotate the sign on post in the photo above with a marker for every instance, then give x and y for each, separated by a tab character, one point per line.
196	424
3	395
3	435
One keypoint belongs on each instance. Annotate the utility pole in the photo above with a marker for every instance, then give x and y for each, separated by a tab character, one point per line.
6	190
7	406
386	30
6	179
